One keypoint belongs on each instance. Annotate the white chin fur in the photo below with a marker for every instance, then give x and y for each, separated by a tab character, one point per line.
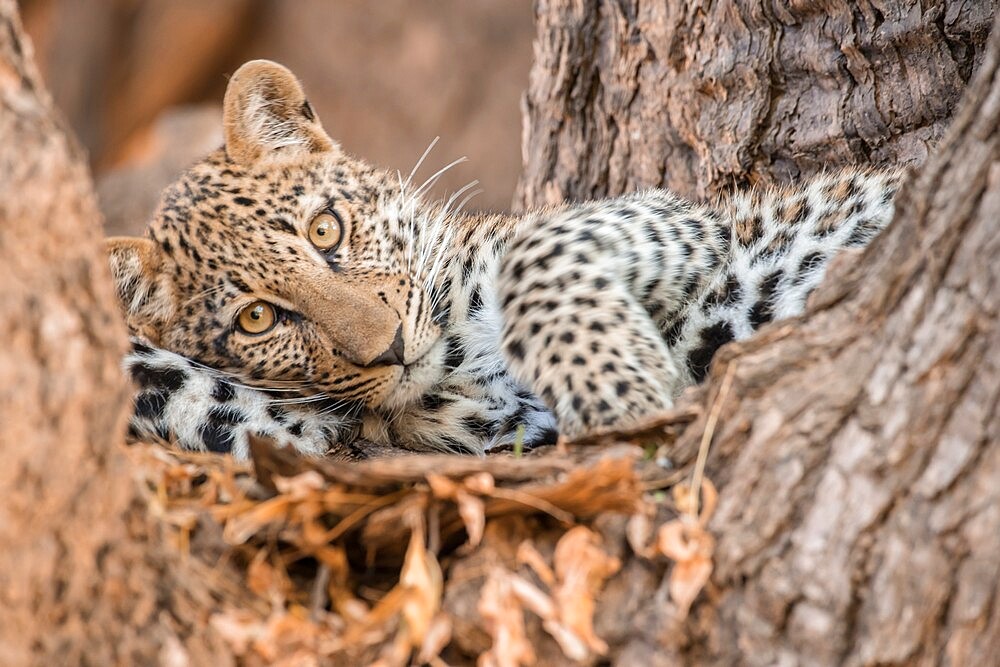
418	379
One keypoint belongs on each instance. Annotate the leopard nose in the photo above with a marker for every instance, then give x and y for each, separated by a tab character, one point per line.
394	355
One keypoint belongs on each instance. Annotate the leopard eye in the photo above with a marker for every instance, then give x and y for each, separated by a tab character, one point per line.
257	318
326	231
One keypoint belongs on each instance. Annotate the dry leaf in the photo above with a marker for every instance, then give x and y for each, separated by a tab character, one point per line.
467	496
301	485
480	482
529	555
543	606
503	618
638	531
301	658
422	582
394	654
245	631
261	577
472	509
573	647
687	542
533	598
684	500
567	611
442	487
240	528
687	580
379	621
710	498
437	637
581	569
173	653
237	629
350	607
691	547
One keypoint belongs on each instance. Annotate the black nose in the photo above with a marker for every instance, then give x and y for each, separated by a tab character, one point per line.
394	355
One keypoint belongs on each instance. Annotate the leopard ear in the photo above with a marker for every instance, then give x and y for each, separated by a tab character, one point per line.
266	115
144	291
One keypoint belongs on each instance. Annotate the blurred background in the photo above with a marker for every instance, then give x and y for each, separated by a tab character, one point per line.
141	83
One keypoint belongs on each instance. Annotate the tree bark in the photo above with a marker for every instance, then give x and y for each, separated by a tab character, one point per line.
84	577
877	538
859	446
700	97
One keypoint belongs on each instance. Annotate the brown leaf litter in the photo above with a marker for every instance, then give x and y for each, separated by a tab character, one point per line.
424	559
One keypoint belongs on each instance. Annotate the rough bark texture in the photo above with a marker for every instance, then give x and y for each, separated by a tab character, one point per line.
858	449
60	389
82	580
698	97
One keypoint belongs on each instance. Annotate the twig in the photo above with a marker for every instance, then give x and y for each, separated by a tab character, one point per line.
357	515
318	597
533	502
434	528
706	436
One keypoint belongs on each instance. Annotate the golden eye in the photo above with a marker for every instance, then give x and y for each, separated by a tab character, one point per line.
257	318
326	231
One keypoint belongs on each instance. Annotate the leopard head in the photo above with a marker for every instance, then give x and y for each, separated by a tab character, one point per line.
287	263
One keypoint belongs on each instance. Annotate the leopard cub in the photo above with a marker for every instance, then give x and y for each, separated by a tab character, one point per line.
289	289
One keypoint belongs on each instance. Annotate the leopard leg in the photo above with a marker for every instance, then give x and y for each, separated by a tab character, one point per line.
596	360
178	401
584	294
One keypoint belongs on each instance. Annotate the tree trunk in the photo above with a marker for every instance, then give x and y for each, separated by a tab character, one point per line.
858	449
699	97
83	577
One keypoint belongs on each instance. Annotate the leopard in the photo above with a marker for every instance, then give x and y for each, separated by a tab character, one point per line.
287	289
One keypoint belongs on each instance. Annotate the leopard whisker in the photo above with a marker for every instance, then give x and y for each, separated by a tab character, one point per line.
204	293
455	195
236	381
429	183
423	157
430	236
443	253
468	198
314	398
404	211
353	409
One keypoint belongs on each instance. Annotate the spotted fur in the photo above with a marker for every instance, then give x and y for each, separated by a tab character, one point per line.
431	330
